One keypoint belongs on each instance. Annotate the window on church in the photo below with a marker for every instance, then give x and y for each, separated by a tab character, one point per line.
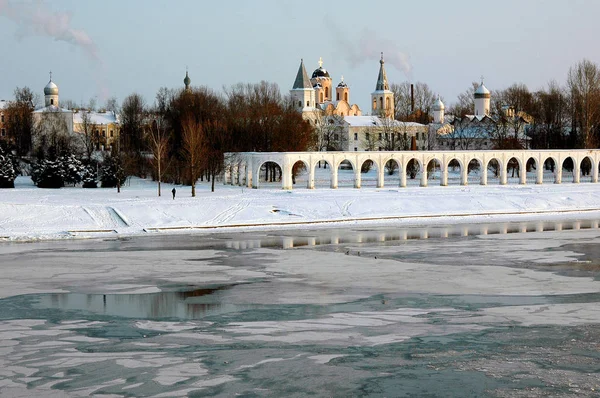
52	102
374	104
355	149
336	137
307	103
326	92
367	136
337	96
355	136
3	133
380	136
299	104
111	133
387	103
2	118
321	97
346	97
380	102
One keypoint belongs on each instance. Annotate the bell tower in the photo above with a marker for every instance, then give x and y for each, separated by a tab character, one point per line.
382	99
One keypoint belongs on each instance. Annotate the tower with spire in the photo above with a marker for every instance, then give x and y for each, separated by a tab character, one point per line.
187	81
382	98
302	92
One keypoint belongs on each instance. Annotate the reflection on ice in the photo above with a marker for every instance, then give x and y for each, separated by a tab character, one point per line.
336	237
190	304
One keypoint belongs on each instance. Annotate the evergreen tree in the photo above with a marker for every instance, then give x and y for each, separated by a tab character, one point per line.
48	174
8	169
112	172
89	177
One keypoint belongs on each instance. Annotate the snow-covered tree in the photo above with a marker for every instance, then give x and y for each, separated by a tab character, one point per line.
73	169
48	174
112	173
89	177
8	169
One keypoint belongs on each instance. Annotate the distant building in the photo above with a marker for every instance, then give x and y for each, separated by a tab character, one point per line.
482	130
344	125
103	127
314	97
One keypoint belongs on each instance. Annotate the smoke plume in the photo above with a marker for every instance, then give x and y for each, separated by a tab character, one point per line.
35	19
368	47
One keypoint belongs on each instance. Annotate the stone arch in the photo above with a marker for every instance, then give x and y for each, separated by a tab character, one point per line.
369	171
587	168
569	168
414	168
454	170
513	168
551	164
346	171
530	169
495	166
475	171
392	170
322	172
435	168
256	180
301	173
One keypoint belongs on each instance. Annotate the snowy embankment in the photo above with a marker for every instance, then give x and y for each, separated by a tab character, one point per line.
29	213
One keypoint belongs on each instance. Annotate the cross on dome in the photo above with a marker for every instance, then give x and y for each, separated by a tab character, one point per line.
320	62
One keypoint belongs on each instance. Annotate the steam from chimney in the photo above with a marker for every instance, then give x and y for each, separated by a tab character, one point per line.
34	18
368	47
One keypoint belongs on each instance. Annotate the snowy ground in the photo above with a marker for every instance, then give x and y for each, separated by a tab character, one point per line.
29	213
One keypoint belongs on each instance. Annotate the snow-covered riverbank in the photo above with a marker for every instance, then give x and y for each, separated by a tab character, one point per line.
30	213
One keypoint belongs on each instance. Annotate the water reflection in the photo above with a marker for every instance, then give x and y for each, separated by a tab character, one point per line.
378	235
191	304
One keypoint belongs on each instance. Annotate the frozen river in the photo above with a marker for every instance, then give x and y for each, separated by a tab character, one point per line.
505	309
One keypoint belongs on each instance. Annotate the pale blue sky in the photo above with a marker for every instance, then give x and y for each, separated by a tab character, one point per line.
144	45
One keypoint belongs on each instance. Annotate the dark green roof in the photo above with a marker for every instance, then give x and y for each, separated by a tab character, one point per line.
302	81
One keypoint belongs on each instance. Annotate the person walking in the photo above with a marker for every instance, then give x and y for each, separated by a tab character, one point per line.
173	191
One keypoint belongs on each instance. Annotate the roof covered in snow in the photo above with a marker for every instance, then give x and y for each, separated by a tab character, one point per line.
371	121
53	108
3	104
95	117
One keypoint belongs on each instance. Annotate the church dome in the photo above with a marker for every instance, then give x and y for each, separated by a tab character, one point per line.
342	83
438	105
482	91
187	79
320	72
51	88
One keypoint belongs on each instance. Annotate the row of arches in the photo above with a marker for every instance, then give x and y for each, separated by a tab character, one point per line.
380	171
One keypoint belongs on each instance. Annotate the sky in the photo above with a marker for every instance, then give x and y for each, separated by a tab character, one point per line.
110	48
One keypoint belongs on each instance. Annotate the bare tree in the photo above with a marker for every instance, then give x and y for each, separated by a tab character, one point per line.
330	133
19	122
52	138
415	109
584	86
192	142
112	105
158	139
88	134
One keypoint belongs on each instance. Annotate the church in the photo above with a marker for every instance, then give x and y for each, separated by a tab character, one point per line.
102	127
343	124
